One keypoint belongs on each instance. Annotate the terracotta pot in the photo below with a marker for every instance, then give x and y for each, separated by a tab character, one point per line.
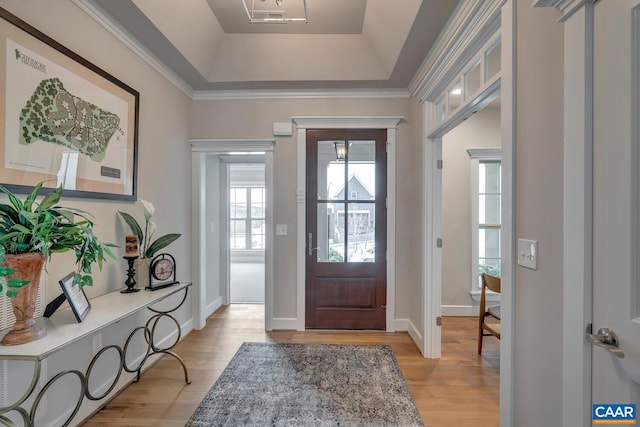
28	267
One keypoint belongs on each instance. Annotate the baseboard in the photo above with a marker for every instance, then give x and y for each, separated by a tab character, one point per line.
408	326
211	308
459	310
279	323
400	325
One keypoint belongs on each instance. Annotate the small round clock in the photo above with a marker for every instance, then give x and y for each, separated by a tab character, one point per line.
162	272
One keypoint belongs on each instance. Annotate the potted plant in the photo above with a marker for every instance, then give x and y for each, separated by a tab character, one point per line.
148	247
30	232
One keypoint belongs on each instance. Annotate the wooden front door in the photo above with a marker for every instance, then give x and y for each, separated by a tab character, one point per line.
346	229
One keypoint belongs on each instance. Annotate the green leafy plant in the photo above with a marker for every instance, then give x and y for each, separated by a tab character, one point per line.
28	226
148	248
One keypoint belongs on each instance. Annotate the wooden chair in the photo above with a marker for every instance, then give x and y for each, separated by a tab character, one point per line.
493	312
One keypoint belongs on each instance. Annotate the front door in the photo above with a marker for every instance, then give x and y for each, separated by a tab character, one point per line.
346	224
616	197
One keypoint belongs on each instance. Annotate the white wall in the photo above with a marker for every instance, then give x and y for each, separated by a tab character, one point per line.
539	216
481	130
247	119
163	172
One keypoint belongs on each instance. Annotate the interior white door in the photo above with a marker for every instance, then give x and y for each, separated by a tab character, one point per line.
616	213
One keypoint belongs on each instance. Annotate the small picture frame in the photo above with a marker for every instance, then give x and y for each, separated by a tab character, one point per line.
76	297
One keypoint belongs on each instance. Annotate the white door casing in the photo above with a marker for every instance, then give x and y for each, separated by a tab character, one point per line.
364	122
616	289
199	150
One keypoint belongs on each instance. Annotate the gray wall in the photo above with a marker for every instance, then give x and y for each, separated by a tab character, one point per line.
539	216
164	165
481	130
253	119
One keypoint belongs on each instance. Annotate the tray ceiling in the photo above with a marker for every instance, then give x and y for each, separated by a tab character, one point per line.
347	44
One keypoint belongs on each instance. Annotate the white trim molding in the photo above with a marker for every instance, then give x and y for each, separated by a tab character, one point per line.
331	122
484	153
578	19
470	26
568	7
216	95
335	122
231	145
460	310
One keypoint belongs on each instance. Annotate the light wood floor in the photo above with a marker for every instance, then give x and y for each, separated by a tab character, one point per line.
460	389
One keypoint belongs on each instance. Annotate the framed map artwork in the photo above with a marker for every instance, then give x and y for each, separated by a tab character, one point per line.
63	120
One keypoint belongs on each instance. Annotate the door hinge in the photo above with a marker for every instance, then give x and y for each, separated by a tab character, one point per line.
439	242
438	321
439	164
386	147
386	203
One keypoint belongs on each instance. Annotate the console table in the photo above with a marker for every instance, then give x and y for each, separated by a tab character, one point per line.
62	330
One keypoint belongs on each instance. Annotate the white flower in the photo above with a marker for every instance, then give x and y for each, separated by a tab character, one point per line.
148	209
151	230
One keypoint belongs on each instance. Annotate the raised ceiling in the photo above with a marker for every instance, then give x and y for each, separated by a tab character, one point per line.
347	44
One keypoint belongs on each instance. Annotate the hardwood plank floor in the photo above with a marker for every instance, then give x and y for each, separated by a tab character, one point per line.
460	389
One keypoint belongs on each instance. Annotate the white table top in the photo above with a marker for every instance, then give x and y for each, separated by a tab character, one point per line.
63	329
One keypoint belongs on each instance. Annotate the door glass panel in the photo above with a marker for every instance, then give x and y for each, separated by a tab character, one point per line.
362	170
331	155
329	238
472	81
361	232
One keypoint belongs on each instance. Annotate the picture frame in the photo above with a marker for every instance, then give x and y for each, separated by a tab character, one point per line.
76	297
63	120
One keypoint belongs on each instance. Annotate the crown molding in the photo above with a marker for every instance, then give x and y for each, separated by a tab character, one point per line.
471	25
568	7
133	44
216	95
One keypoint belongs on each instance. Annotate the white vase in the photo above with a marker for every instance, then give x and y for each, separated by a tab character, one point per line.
142	272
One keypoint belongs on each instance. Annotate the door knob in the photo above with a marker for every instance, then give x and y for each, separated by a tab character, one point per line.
606	339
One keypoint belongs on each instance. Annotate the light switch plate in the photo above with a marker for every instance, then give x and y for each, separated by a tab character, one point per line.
281	229
528	253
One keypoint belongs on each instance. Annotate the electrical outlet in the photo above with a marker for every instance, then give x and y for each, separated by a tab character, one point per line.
281	229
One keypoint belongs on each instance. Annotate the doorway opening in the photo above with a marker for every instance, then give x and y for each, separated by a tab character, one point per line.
246	195
248	227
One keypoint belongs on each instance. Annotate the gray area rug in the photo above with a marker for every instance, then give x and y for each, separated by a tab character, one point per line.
309	385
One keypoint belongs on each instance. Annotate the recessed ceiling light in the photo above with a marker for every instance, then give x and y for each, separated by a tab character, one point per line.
456	91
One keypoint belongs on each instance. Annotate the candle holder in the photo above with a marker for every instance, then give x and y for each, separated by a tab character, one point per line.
130	282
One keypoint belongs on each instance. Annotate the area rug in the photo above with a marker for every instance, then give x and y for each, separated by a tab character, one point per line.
309	385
